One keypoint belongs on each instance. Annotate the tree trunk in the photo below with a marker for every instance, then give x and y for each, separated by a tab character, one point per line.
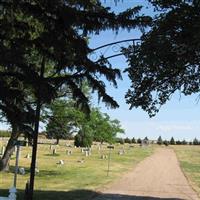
57	140
4	161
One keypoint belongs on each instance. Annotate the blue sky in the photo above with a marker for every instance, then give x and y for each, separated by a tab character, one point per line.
178	118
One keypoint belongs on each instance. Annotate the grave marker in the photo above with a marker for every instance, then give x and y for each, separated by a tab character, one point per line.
21	171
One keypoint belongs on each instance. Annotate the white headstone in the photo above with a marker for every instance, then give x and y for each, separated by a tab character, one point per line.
27	156
69	152
21	171
86	153
3	150
37	170
61	162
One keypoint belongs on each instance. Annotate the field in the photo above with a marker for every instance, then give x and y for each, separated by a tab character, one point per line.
189	158
85	174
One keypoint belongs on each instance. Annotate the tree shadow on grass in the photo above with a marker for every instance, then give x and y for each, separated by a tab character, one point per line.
55	195
52	155
42	173
80	195
128	197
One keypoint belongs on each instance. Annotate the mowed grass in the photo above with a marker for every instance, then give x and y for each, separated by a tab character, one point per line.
74	180
189	158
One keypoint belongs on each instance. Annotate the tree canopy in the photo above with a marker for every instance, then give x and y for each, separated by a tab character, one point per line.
44	54
168	59
60	119
52	35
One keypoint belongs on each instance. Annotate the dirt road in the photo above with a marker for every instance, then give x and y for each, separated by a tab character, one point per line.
157	177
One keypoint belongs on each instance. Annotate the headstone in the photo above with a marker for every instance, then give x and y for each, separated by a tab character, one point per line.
27	156
37	170
104	156
81	161
89	153
69	152
21	171
2	150
86	153
120	152
61	162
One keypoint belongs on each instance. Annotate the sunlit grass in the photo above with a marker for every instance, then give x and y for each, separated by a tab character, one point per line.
73	175
189	158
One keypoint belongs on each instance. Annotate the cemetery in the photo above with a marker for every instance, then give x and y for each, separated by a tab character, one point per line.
66	168
63	63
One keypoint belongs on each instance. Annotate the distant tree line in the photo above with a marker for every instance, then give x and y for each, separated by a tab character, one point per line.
159	141
177	142
130	141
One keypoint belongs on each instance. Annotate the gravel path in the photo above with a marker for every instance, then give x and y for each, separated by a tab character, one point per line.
157	177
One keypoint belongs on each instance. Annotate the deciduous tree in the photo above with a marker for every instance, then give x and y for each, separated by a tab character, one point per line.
168	59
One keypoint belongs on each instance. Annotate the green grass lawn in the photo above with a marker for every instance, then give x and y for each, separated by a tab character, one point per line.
73	180
189	158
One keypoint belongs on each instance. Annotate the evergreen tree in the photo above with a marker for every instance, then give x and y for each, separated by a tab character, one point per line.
133	140
83	140
60	118
44	47
172	141
195	141
159	141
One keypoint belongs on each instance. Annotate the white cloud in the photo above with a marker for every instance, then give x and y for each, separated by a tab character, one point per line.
174	127
178	129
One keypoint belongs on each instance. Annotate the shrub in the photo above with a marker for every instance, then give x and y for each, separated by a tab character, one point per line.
166	143
178	142
127	140
139	141
120	140
184	142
